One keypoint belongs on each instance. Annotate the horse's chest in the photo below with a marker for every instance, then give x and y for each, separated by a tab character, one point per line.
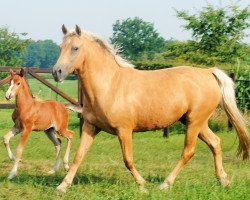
98	122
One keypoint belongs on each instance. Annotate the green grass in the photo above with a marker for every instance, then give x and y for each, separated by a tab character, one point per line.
103	175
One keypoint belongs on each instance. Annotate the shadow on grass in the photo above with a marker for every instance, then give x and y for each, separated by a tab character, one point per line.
55	180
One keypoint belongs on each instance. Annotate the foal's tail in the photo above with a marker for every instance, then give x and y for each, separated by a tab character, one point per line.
234	115
74	108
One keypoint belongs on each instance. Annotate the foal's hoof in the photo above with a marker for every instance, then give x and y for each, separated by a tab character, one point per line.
11	176
12	158
164	186
66	167
52	171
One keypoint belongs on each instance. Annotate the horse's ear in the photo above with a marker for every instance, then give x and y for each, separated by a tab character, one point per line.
12	73
78	30
64	29
22	72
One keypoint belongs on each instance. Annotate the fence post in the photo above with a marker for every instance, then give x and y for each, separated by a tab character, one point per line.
80	101
166	132
229	124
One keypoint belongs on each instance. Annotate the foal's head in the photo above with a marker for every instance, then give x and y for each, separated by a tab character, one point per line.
71	54
17	80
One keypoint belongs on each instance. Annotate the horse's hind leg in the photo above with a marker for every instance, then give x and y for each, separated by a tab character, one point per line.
192	132
6	139
51	133
69	135
125	139
213	142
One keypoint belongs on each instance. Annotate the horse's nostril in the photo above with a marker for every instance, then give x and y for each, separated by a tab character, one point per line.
60	71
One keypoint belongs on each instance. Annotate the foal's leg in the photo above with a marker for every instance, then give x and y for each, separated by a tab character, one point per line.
25	134
69	135
6	139
213	142
51	133
125	139
88	135
187	154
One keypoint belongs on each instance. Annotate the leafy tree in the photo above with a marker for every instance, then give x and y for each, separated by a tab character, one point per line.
217	34
12	47
42	53
137	38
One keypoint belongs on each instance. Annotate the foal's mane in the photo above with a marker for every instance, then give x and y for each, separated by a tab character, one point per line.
113	50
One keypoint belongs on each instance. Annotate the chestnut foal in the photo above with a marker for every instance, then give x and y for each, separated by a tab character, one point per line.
33	115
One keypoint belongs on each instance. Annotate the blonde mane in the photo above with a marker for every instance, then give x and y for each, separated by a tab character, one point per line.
113	50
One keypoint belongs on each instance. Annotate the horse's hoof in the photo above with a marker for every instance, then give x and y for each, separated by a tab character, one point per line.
225	182
164	186
143	190
61	189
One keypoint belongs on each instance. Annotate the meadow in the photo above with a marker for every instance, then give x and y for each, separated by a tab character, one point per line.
103	175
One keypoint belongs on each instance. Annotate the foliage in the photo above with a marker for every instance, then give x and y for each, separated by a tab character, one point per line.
151	65
12	48
242	84
217	34
138	39
41	53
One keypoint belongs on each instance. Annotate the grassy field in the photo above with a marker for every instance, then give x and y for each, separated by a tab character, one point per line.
103	175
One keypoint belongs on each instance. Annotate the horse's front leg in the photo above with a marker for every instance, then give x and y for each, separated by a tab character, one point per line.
25	134
6	139
125	139
88	134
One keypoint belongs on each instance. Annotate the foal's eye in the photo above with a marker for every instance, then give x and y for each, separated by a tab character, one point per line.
18	84
75	48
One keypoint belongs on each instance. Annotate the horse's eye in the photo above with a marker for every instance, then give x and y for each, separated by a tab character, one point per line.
18	84
75	48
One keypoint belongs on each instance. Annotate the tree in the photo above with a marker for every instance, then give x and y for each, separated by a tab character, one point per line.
137	38
12	47
217	34
41	53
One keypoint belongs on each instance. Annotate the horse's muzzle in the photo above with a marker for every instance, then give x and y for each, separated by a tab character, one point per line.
57	74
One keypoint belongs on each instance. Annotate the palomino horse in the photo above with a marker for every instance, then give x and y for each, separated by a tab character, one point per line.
31	114
120	100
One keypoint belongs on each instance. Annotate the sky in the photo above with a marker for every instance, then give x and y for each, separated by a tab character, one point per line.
43	19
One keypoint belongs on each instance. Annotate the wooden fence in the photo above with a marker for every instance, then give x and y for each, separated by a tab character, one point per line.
34	72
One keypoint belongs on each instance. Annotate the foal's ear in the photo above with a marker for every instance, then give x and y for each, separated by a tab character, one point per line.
78	30
12	73
22	72
64	29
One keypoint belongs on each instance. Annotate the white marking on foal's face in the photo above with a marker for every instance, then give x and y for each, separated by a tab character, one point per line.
9	95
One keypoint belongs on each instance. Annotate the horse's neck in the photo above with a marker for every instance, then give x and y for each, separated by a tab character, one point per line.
96	75
24	97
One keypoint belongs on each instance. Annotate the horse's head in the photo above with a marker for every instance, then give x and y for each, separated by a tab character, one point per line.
15	84
71	56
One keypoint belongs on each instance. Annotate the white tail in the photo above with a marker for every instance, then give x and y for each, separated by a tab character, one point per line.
234	115
74	108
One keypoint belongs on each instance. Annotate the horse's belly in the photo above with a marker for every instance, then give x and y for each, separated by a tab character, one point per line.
158	119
